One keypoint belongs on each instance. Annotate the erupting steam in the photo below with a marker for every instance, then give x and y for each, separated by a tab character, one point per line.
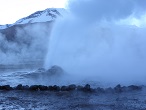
92	42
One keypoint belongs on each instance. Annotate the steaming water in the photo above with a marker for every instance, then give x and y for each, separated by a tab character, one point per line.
91	43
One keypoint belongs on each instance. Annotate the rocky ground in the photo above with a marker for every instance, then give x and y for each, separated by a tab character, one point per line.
15	94
72	98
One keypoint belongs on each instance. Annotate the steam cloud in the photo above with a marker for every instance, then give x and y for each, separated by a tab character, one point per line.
29	45
88	43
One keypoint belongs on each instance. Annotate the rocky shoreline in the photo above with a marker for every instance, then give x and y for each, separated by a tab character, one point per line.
73	87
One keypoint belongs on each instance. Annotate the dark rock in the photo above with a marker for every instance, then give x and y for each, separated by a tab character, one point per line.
118	88
64	88
109	90
56	88
55	70
80	88
51	88
124	89
68	88
41	73
134	87
71	87
26	87
100	90
38	88
34	88
87	87
19	87
6	87
42	88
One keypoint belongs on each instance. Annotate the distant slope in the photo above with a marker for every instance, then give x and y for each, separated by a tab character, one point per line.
26	41
49	14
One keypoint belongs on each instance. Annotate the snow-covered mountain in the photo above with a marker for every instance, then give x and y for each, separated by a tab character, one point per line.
26	40
48	14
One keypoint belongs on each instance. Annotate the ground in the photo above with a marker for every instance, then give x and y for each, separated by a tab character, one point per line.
73	100
64	100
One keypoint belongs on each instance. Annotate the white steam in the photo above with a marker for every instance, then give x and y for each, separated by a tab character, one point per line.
27	46
88	43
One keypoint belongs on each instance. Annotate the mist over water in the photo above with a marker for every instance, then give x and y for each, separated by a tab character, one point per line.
29	44
90	43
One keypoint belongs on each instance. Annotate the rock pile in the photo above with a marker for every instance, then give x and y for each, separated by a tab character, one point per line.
73	87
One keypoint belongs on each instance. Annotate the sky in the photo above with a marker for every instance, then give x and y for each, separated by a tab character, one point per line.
13	10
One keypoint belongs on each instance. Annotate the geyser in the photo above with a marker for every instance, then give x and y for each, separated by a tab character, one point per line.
92	43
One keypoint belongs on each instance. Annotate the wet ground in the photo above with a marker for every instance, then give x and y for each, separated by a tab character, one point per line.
73	100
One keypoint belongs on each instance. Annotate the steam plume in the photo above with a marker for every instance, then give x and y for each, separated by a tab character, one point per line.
88	43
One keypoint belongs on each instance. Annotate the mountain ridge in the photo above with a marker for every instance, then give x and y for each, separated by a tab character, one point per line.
49	14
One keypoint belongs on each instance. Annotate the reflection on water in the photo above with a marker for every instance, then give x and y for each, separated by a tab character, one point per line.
13	74
18	67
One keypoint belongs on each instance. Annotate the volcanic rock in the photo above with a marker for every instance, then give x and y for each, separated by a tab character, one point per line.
71	87
87	87
80	87
34	88
5	87
109	90
134	87
100	90
19	87
64	88
118	88
55	71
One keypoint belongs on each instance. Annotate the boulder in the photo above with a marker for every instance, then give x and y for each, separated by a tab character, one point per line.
118	88
51	88
42	74
125	89
100	90
134	87
64	88
87	87
109	90
55	70
6	87
42	88
71	87
38	88
56	88
34	88
80	87
26	87
19	87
